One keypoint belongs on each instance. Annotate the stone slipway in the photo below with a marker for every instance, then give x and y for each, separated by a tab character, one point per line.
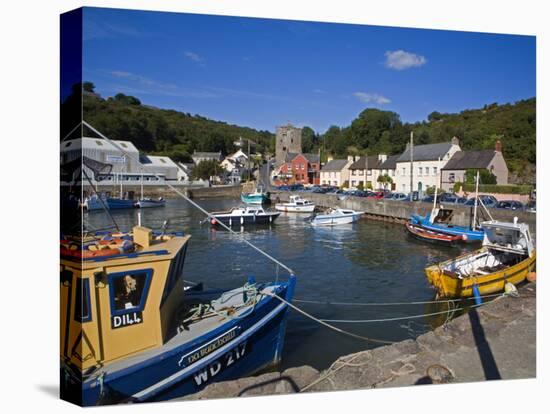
495	341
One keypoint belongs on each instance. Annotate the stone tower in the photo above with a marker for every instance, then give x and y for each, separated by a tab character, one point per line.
288	139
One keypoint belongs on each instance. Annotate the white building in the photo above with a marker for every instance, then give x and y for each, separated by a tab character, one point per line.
198	157
386	167
160	165
336	172
365	171
427	163
102	150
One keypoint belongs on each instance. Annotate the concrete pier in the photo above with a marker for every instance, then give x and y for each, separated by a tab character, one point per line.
495	341
400	211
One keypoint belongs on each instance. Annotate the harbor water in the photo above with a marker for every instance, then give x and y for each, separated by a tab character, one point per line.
365	262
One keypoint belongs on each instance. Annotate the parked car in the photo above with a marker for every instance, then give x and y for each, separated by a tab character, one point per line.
454	200
488	201
376	194
531	207
400	197
356	193
510	205
428	199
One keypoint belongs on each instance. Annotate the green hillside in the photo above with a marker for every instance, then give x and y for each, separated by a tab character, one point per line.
162	131
178	134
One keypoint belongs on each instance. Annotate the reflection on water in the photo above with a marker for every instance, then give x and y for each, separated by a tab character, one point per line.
367	261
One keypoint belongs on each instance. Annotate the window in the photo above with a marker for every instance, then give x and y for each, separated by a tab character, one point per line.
129	290
369	172
435	170
451	177
361	172
82	301
404	173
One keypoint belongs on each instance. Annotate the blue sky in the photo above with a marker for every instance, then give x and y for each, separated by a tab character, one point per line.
262	73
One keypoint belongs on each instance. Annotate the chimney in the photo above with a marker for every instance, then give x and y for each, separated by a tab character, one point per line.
498	146
455	141
329	158
382	157
351	158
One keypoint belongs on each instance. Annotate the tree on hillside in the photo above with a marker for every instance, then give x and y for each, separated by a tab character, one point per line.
206	169
88	87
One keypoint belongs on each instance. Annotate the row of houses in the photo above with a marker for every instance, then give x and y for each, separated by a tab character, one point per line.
440	164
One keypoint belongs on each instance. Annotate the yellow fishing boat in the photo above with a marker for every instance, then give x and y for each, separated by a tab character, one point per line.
508	255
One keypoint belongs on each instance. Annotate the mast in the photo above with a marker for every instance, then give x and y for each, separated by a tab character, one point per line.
411	148
475	201
141	185
436	186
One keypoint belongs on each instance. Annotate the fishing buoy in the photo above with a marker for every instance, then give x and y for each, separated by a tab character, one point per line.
213	221
477	295
510	290
531	277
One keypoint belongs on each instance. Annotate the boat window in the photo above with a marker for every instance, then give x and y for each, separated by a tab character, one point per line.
175	272
82	301
129	290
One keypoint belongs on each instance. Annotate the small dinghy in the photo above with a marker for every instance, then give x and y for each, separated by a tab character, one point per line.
296	204
430	236
241	216
336	216
150	202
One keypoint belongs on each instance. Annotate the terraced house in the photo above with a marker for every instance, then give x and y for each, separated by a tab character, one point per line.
300	169
427	163
365	171
336	172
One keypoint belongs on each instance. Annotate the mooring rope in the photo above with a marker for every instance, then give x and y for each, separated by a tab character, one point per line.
399	318
177	191
334	328
427	302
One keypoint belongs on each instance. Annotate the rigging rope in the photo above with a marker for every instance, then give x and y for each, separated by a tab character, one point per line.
177	191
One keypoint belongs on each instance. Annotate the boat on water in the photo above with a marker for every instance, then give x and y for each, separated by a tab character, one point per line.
296	204
258	196
132	330
421	233
95	202
439	221
150	202
507	255
120	203
335	217
241	216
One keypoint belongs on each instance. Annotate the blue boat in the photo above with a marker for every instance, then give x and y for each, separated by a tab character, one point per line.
259	196
136	331
120	203
439	220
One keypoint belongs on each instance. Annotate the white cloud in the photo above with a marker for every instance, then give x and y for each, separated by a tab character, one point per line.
194	57
400	60
371	98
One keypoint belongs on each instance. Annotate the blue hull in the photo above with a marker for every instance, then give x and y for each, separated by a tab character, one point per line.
117	203
467	233
256	344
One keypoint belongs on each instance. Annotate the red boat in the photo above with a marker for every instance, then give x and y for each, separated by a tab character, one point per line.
431	236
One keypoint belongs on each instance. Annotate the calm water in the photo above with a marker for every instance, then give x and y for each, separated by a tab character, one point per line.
368	261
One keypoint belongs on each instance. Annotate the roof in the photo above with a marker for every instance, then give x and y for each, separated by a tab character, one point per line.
335	165
157	160
462	160
312	158
366	162
290	156
207	154
390	163
97	143
428	152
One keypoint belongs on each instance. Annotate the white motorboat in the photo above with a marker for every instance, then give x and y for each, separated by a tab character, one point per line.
336	216
296	204
150	202
240	216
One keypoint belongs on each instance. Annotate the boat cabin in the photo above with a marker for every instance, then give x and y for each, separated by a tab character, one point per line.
114	305
441	216
508	237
